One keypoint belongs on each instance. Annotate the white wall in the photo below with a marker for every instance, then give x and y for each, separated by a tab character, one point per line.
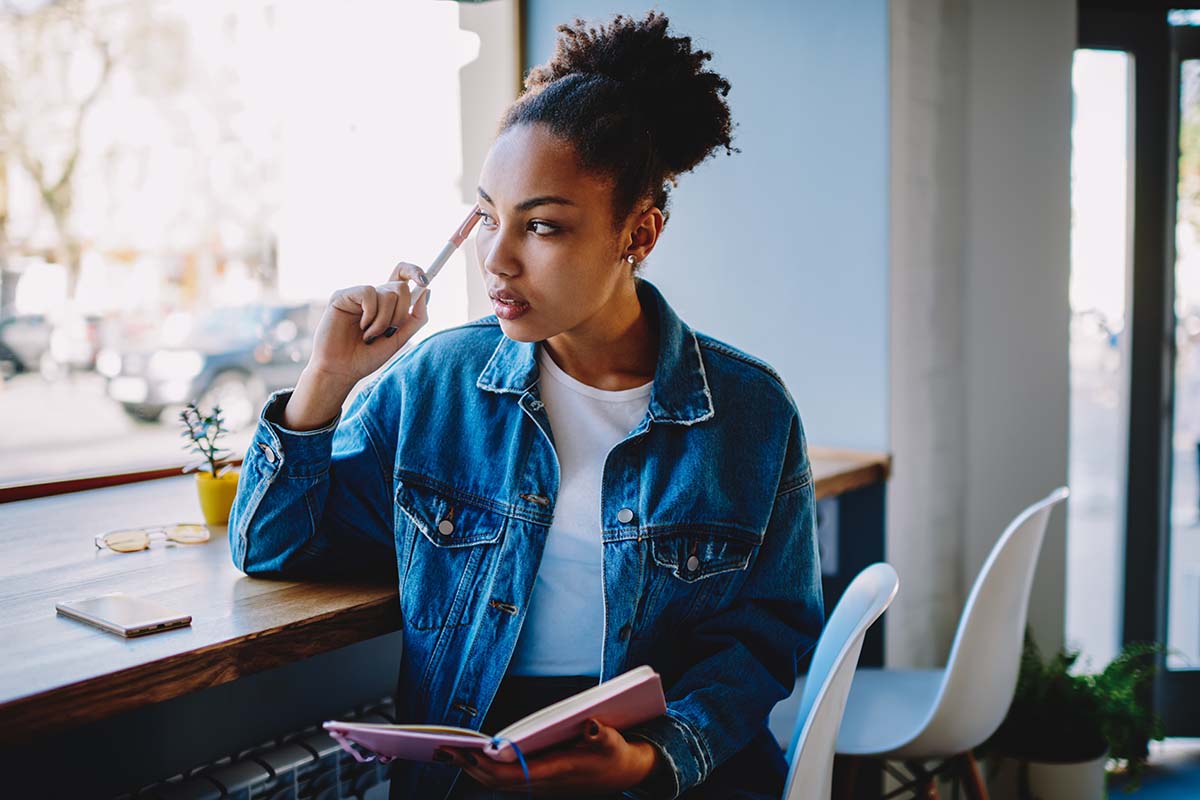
927	401
979	265
1018	255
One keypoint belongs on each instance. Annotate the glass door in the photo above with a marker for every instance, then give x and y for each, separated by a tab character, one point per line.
1180	685
1134	535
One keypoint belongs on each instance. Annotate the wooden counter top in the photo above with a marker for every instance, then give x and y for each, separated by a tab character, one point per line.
840	471
56	673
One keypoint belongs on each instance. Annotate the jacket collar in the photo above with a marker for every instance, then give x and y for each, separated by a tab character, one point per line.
680	393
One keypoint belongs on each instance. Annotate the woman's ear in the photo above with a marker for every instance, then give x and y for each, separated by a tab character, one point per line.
643	235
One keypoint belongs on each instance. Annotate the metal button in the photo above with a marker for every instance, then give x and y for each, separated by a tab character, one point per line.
693	564
625	516
536	405
445	527
268	453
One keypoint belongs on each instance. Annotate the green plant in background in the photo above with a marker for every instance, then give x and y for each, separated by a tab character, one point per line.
1060	717
202	431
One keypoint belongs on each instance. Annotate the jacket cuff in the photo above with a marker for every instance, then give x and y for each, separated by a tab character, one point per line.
293	454
686	761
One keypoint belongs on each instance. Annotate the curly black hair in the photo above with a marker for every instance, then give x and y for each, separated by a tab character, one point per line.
636	103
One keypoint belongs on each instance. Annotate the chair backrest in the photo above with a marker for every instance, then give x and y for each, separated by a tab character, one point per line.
823	699
981	675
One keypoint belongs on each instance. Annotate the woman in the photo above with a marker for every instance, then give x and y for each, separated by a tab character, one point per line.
576	486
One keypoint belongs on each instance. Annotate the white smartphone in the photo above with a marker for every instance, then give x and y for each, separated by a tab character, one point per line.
117	612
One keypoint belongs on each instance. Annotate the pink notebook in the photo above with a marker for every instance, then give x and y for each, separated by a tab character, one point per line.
628	699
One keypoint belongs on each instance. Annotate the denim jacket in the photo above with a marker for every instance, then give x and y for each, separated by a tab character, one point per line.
442	473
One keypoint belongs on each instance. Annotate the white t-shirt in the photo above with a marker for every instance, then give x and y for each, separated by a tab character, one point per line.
564	626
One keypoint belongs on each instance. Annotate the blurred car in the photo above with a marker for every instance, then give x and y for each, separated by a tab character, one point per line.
75	340
23	340
233	357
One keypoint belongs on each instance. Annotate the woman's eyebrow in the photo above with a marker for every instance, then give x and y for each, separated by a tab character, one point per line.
525	205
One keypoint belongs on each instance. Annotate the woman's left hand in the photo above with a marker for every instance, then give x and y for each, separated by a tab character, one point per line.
600	761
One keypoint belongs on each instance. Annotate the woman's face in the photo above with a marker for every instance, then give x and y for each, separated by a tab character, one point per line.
546	240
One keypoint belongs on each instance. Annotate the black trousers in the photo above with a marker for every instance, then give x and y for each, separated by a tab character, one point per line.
757	772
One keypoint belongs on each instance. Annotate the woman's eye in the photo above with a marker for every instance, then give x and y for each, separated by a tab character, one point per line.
546	227
486	218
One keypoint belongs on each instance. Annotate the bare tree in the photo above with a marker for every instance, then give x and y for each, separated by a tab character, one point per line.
60	61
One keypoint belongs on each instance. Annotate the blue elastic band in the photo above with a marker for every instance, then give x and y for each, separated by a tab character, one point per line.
497	742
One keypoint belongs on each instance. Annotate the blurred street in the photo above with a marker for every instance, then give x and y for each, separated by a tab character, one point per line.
51	426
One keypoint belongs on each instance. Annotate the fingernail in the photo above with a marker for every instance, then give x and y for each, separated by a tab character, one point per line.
593	729
470	759
372	339
442	756
389	332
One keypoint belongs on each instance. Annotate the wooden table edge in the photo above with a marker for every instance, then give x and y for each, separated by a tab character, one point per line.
106	695
869	469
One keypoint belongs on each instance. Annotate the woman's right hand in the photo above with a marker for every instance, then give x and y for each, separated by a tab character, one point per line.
360	314
341	355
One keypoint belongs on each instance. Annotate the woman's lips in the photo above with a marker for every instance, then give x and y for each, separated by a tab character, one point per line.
508	305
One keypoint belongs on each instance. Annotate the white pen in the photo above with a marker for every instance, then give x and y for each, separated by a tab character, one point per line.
455	242
460	236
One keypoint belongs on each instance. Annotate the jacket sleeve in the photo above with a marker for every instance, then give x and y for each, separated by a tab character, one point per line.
751	647
317	504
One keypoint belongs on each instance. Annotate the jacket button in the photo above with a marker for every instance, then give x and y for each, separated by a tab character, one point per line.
445	527
693	564
625	516
268	453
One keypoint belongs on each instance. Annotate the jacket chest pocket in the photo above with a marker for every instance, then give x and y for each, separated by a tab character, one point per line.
697	553
694	570
451	541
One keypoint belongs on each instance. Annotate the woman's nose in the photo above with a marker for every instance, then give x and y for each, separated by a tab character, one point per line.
496	256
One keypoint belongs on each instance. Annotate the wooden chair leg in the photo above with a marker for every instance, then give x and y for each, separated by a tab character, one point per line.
968	770
925	783
845	769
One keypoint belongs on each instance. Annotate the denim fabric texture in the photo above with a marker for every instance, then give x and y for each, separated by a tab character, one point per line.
441	475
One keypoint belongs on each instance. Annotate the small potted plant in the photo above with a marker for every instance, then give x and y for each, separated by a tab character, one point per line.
216	480
1063	729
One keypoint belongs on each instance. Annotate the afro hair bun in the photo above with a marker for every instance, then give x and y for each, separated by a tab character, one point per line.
681	102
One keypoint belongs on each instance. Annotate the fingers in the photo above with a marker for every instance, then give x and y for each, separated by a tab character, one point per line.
390	297
406	322
370	304
386	306
393	314
360	301
498	774
408	272
493	774
599	736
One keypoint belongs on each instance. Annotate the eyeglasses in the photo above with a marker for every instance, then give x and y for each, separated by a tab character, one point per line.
130	540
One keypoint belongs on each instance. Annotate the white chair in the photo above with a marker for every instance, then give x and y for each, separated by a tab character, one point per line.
824	696
919	715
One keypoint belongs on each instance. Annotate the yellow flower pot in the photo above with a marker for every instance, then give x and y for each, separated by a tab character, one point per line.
216	495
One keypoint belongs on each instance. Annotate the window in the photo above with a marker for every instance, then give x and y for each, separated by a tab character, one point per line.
185	185
1099	355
